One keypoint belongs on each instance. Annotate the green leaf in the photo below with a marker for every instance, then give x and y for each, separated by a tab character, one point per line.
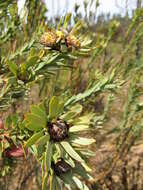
33	139
68	148
68	181
58	184
33	126
55	107
12	120
8	122
82	141
87	168
67	20
80	184
34	150
67	116
60	108
48	155
76	108
45	181
85	187
39	111
42	107
40	66
70	161
31	61
60	23
79	170
34	122
73	112
78	128
88	153
43	140
84	120
77	27
53	182
68	186
13	68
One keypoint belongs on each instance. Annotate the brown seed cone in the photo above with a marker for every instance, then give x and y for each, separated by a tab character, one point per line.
58	130
61	167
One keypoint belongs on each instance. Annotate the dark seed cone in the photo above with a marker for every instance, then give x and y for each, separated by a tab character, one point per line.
61	167
58	131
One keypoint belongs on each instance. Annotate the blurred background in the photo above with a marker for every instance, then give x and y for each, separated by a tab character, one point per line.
57	8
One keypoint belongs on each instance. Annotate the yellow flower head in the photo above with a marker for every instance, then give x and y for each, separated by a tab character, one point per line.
72	41
60	35
49	39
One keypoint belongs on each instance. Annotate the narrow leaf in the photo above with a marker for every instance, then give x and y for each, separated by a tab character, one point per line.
31	61
53	107
48	156
80	184
43	140
68	148
45	181
79	170
68	181
72	113
13	68
58	184
33	139
82	141
78	128
67	20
